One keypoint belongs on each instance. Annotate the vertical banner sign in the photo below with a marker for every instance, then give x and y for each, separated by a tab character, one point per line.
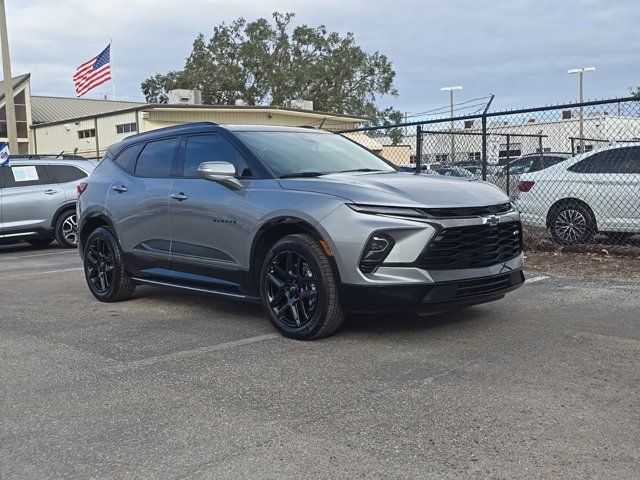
4	154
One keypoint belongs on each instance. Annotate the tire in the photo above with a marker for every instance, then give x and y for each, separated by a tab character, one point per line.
67	229
299	290
40	241
572	223
104	268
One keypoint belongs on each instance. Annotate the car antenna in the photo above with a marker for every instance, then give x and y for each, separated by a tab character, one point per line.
60	154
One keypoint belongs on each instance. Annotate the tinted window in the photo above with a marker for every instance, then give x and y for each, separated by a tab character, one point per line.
210	148
618	160
127	158
65	173
26	175
156	159
521	166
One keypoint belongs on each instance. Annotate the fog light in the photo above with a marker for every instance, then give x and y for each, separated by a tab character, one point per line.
376	250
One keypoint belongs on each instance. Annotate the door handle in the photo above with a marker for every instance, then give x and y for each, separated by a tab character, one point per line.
179	196
50	192
120	189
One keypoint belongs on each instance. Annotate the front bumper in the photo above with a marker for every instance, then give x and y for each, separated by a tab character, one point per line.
430	298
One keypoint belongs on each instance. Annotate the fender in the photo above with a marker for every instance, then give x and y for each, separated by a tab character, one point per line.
88	220
282	224
69	205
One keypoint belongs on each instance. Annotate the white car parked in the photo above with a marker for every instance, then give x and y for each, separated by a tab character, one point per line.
593	192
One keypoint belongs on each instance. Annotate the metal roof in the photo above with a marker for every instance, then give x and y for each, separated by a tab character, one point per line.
55	109
17	81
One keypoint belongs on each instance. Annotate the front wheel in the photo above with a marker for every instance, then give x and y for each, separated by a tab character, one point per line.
299	290
104	268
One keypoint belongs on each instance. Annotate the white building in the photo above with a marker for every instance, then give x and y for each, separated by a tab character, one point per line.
88	127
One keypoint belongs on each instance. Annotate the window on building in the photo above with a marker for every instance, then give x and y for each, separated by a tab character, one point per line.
87	133
474	156
544	150
442	157
515	150
587	148
156	159
126	128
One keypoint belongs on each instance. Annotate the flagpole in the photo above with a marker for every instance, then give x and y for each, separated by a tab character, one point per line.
113	83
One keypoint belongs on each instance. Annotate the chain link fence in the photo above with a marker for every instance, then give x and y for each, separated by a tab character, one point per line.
573	171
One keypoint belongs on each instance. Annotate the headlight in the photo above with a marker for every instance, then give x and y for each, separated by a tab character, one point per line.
380	210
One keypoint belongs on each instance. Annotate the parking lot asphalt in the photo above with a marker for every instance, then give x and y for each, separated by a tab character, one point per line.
173	385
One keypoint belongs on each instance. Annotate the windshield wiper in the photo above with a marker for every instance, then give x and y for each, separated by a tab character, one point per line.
362	170
302	174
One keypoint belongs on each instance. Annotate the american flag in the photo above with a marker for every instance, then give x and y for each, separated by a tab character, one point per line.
93	72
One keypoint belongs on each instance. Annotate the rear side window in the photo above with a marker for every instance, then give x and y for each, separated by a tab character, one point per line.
127	158
26	176
65	173
618	160
156	159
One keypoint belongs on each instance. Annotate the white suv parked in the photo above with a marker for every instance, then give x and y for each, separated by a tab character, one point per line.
593	192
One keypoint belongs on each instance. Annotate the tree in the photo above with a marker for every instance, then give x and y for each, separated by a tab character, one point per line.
265	63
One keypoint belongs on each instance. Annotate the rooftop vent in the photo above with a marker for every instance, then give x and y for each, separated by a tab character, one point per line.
566	114
299	104
184	97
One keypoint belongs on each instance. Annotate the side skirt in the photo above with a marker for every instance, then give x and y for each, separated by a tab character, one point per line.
237	296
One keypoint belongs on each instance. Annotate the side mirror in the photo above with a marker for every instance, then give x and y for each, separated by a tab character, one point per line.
223	173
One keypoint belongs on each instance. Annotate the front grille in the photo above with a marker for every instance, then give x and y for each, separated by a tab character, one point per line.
453	212
472	246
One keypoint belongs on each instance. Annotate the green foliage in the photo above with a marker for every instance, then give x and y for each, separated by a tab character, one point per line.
267	63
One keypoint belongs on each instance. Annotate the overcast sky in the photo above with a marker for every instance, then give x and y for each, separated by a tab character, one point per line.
519	50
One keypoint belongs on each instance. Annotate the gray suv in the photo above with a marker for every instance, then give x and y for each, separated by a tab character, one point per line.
308	223
38	199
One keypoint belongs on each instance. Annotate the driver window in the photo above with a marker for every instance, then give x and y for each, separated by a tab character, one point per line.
210	148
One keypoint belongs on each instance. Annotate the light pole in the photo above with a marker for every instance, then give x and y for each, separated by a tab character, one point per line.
581	72
453	141
12	133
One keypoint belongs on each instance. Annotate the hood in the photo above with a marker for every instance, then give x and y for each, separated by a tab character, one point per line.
401	189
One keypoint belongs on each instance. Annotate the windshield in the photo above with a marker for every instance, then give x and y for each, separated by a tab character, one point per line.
290	154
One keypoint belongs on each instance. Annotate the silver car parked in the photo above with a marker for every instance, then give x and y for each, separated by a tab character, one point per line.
307	222
38	199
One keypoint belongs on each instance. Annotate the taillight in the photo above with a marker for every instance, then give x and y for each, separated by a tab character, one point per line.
524	186
80	188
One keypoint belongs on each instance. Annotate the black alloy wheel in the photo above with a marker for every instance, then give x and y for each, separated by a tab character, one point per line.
100	265
299	289
104	267
292	292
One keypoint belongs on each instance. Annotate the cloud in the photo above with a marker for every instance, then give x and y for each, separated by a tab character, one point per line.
519	50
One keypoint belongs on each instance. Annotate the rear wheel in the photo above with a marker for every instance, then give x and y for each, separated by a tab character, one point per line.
572	223
67	229
299	290
104	268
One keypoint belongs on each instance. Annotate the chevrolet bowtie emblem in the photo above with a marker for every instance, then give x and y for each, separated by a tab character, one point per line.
492	220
